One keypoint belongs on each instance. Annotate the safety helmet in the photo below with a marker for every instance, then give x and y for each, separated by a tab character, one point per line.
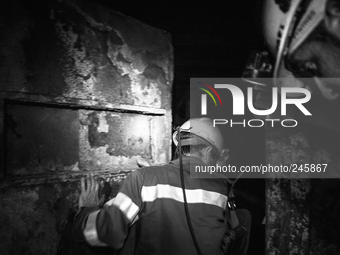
202	128
287	23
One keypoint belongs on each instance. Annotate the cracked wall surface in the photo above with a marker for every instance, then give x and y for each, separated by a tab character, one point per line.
82	89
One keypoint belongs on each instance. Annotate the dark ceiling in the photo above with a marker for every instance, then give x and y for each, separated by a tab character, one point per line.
210	38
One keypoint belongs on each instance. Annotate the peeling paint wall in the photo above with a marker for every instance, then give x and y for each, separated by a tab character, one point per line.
82	89
303	214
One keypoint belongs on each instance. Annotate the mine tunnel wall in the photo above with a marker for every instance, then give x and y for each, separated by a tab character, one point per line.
82	89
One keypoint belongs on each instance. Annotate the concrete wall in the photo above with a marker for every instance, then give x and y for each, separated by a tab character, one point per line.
82	89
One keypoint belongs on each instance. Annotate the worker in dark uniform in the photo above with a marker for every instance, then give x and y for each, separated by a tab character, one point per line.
152	199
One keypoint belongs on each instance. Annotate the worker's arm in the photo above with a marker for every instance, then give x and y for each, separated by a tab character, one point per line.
107	225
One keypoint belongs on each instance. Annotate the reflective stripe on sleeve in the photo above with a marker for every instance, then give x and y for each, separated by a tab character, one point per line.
126	205
90	231
151	193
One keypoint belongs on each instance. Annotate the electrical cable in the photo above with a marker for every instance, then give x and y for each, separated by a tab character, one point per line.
186	209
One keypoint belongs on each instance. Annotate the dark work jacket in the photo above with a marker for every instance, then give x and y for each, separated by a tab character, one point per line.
151	200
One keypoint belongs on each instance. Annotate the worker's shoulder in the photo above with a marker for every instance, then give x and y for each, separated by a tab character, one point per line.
155	169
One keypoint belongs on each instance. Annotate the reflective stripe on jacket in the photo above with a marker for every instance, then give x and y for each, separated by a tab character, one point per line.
151	200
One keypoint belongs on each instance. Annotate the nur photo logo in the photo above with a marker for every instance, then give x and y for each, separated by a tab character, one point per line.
204	97
280	98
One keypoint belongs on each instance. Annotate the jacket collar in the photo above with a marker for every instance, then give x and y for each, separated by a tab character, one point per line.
188	161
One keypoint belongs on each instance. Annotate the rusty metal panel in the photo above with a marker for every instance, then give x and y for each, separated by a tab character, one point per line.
40	139
84	51
288	204
303	214
103	82
114	141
